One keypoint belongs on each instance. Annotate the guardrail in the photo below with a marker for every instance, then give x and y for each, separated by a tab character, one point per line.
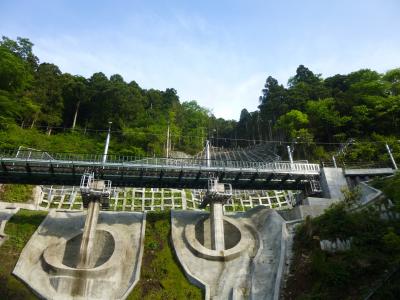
157	162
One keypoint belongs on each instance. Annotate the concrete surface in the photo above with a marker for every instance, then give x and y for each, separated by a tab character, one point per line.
5	214
217	226
333	182
89	235
254	274
48	262
369	172
312	206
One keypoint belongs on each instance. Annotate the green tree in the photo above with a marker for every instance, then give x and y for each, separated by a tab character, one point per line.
292	122
48	94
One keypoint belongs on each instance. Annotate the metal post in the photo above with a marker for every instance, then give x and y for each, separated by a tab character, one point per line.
290	154
334	161
167	150
107	143
391	156
208	153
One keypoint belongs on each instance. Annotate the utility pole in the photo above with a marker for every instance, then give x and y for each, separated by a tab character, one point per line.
290	153
391	156
107	143
168	142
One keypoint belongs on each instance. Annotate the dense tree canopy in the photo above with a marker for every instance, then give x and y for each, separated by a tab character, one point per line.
362	105
39	95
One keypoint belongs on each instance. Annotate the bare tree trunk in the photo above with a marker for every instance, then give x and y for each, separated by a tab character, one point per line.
34	119
76	114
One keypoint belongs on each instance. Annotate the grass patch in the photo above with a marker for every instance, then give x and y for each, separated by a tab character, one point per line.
188	194
16	193
19	230
161	276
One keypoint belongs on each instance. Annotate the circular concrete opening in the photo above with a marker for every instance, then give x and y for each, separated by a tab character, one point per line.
103	249
232	234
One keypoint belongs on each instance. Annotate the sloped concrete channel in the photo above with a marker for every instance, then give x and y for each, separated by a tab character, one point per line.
52	266
251	265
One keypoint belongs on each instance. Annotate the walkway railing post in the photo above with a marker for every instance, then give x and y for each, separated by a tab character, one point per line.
208	153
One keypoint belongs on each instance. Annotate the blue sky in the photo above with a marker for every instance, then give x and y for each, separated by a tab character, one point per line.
216	52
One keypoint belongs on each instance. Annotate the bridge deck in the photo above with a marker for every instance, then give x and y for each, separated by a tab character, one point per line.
155	172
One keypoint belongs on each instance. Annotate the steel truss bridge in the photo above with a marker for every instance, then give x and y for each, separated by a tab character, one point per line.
29	166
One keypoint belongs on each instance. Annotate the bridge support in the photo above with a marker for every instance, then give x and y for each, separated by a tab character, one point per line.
217	195
94	192
333	181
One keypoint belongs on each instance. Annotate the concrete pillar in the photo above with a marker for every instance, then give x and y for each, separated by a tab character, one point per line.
217	226
333	182
89	234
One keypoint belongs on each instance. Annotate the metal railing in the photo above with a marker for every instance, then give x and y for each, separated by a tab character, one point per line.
158	162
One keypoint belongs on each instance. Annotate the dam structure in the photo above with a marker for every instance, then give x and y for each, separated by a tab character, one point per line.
90	245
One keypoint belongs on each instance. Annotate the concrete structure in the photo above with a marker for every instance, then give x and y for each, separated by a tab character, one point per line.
217	226
217	195
49	262
333	182
336	245
6	212
311	206
89	235
250	267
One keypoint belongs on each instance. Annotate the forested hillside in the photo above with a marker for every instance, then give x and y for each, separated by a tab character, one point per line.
319	114
72	109
42	107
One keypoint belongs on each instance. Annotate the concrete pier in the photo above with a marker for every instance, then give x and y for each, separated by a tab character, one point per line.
217	226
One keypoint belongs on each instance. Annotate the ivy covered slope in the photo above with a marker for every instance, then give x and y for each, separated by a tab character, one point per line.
370	266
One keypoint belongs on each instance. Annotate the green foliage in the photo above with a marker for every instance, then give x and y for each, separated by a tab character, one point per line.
363	105
16	192
34	94
19	230
13	136
390	186
375	248
292	122
161	277
329	271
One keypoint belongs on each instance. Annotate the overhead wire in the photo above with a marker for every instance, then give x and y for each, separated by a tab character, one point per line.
182	136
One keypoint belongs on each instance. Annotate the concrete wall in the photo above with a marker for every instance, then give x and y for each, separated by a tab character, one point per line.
332	182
